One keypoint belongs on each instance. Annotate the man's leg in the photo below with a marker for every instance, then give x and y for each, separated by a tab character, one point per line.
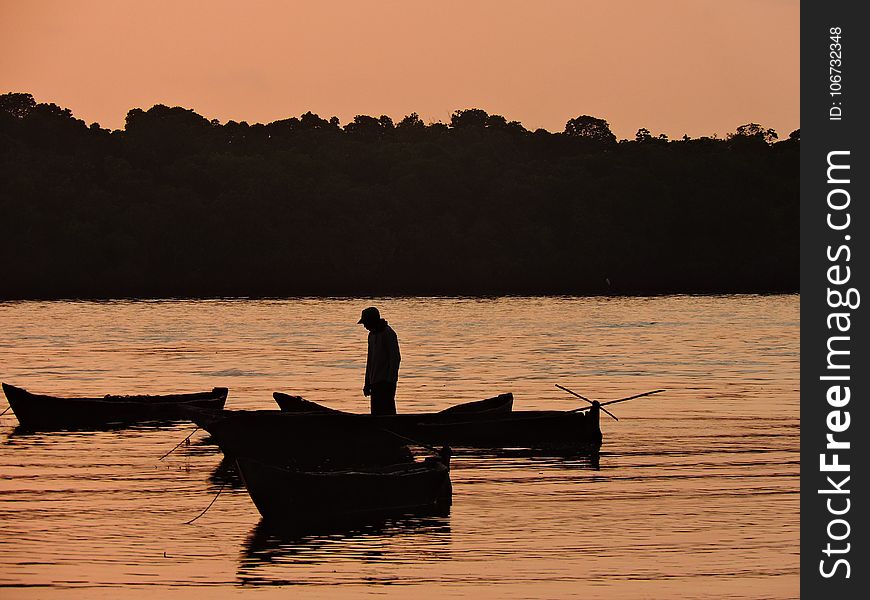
383	398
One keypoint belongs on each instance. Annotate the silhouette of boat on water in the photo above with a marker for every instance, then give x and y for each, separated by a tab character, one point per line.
305	499
536	429
490	423
40	411
334	437
312	435
314	441
499	404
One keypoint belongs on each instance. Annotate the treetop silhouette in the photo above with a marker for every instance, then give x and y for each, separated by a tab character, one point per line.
176	204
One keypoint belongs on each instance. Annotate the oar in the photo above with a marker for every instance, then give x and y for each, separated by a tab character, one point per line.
620	400
633	397
587	400
178	444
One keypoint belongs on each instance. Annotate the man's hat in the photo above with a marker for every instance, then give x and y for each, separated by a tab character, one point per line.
369	315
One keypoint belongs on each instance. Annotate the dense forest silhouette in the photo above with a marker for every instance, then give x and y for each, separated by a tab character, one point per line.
177	205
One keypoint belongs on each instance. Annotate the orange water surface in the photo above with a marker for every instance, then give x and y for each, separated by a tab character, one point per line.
694	495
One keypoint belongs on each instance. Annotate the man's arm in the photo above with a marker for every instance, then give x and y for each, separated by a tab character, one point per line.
367	384
394	357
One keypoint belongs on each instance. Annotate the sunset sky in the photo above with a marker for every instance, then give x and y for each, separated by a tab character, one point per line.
693	67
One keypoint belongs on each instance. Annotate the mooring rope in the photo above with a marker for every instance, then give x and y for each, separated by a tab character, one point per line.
209	506
179	444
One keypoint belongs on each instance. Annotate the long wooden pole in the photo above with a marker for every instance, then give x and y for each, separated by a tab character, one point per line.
620	400
587	400
633	397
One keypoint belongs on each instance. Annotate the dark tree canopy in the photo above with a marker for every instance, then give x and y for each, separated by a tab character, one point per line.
755	131
590	128
179	205
412	121
16	105
471	118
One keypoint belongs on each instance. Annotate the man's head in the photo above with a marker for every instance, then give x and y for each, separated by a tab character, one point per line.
369	317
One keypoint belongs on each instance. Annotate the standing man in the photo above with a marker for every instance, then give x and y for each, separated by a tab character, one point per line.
382	364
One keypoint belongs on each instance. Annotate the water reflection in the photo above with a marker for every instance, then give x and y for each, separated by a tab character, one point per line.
696	489
225	475
403	538
21	433
563	458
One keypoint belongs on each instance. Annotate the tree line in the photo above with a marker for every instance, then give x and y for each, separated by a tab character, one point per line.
178	205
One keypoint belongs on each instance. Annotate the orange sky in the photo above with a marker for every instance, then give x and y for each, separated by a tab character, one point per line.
674	66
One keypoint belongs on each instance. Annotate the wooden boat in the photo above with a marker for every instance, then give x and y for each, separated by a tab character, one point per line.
279	436
484	423
538	429
37	411
305	499
502	403
314	441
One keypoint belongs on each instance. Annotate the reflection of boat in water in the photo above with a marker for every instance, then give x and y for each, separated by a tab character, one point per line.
226	475
270	543
40	411
559	458
22	434
268	537
300	499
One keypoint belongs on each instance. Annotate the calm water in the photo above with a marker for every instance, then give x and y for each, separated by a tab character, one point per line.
695	496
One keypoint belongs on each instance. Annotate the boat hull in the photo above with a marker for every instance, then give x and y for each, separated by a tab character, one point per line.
307	499
503	403
342	438
519	429
302	440
39	411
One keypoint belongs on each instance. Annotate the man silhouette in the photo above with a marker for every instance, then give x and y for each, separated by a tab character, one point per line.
382	364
